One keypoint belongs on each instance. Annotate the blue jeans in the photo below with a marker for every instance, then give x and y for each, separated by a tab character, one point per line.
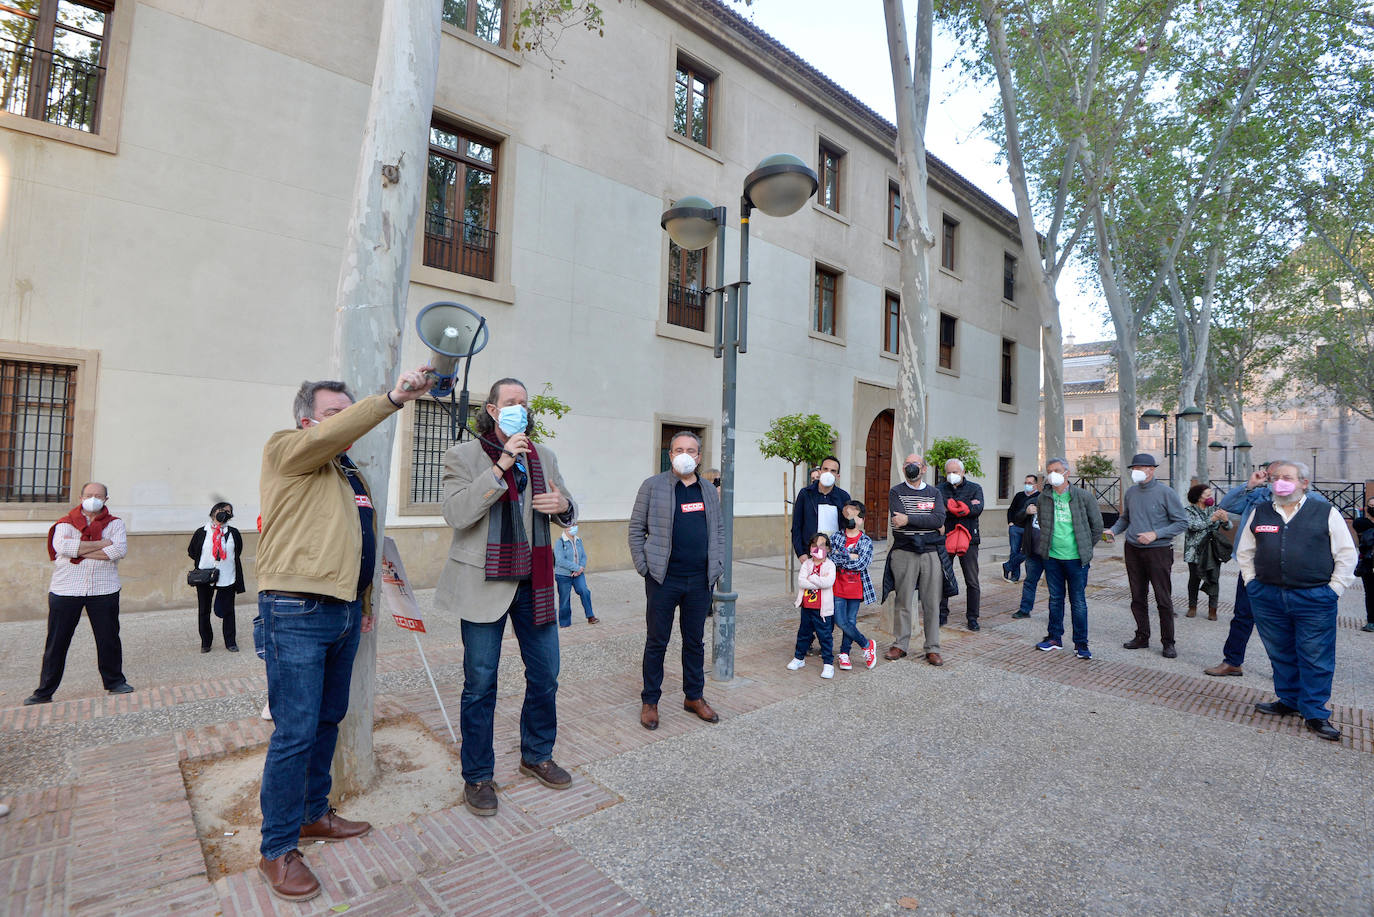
812	625
481	658
309	647
1242	625
1014	535
1298	627
847	620
566	586
1035	565
1070	574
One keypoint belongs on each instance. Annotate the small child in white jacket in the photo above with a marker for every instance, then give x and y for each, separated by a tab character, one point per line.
816	599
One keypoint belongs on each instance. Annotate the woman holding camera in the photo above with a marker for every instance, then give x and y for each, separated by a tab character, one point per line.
216	548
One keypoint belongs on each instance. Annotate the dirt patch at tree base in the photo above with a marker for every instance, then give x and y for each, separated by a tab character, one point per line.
417	773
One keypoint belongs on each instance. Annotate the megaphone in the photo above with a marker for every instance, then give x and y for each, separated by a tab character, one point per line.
454	332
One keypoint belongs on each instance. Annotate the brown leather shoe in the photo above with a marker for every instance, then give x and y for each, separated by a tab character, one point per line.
480	797
935	659
1211	614
288	877
701	709
894	653
648	716
333	828
547	773
1192	612
1224	668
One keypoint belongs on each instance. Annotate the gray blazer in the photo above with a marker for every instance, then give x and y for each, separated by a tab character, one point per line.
470	491
651	528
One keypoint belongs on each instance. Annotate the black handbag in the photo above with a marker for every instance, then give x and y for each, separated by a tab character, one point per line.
199	577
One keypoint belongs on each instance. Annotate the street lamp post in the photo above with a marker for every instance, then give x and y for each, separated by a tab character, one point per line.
1191	412
1227	449
779	187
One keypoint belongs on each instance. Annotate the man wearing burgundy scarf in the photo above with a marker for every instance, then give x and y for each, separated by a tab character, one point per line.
499	492
85	547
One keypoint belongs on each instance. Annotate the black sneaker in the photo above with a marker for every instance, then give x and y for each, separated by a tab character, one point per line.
37	698
122	688
1020	614
480	797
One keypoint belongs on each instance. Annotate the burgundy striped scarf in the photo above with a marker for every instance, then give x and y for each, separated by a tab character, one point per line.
512	554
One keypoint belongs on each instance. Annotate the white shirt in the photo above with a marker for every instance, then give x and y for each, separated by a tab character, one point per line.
1342	546
95	575
207	557
827	519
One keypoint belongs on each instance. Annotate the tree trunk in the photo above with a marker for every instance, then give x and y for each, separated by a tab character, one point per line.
1123	321
373	285
911	92
1037	256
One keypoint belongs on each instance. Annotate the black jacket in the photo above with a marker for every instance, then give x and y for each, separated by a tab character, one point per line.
804	514
971	494
198	544
1017	516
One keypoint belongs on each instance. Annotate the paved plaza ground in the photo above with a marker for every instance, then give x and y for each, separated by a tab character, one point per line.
1008	782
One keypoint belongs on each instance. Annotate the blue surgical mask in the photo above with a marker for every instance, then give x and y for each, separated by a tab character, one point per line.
513	419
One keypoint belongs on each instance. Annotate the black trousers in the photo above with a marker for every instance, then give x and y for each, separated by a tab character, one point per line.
692	597
1148	568
223	602
1368	581
64	613
973	593
1207	582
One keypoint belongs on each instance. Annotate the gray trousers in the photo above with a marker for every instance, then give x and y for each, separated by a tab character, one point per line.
914	572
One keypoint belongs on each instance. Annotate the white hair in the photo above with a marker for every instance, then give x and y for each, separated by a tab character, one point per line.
1304	473
957	462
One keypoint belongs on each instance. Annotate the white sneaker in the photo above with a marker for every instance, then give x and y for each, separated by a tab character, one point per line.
844	662
267	713
828	671
796	664
4	810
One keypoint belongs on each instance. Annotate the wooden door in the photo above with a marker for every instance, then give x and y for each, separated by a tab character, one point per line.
878	474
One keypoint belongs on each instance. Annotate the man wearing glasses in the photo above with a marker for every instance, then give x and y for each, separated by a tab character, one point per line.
499	492
677	542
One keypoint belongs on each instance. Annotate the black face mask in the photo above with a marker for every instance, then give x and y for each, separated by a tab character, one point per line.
222	517
912	470
850	523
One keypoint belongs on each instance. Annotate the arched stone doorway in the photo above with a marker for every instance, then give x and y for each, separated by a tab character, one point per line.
878	473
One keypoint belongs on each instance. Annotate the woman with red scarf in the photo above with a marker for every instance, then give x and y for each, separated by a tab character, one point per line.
217	545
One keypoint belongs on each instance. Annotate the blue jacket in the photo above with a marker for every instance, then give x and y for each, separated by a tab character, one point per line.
568	555
840	557
804	514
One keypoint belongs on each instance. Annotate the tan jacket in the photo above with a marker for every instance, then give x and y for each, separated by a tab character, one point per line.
470	491
311	541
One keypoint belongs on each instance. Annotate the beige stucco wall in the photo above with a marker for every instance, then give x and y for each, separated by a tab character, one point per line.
200	261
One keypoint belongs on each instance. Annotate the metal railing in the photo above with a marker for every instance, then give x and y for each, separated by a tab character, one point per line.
1346	496
460	247
50	87
686	306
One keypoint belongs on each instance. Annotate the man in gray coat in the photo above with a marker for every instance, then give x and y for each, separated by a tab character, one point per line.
1151	515
677	542
499	493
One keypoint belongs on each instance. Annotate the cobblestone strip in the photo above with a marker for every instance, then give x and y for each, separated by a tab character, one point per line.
1180	691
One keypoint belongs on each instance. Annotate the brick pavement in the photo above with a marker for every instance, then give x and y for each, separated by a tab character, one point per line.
120	840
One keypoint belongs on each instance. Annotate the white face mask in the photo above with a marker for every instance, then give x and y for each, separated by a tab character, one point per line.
827	479
955	478
684	464
1056	479
1029	488
1138	476
92	504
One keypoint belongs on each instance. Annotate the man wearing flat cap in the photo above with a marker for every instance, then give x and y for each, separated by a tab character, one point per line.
1151	515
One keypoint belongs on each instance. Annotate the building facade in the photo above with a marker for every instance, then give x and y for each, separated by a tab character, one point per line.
1334	441
175	182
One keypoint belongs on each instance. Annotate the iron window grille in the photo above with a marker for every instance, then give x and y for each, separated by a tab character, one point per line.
37	421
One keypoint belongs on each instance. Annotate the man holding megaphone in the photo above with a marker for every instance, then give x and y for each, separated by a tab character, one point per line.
315	564
499	492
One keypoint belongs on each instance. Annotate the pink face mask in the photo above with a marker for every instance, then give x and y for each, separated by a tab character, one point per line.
1284	488
818	553
1208	502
